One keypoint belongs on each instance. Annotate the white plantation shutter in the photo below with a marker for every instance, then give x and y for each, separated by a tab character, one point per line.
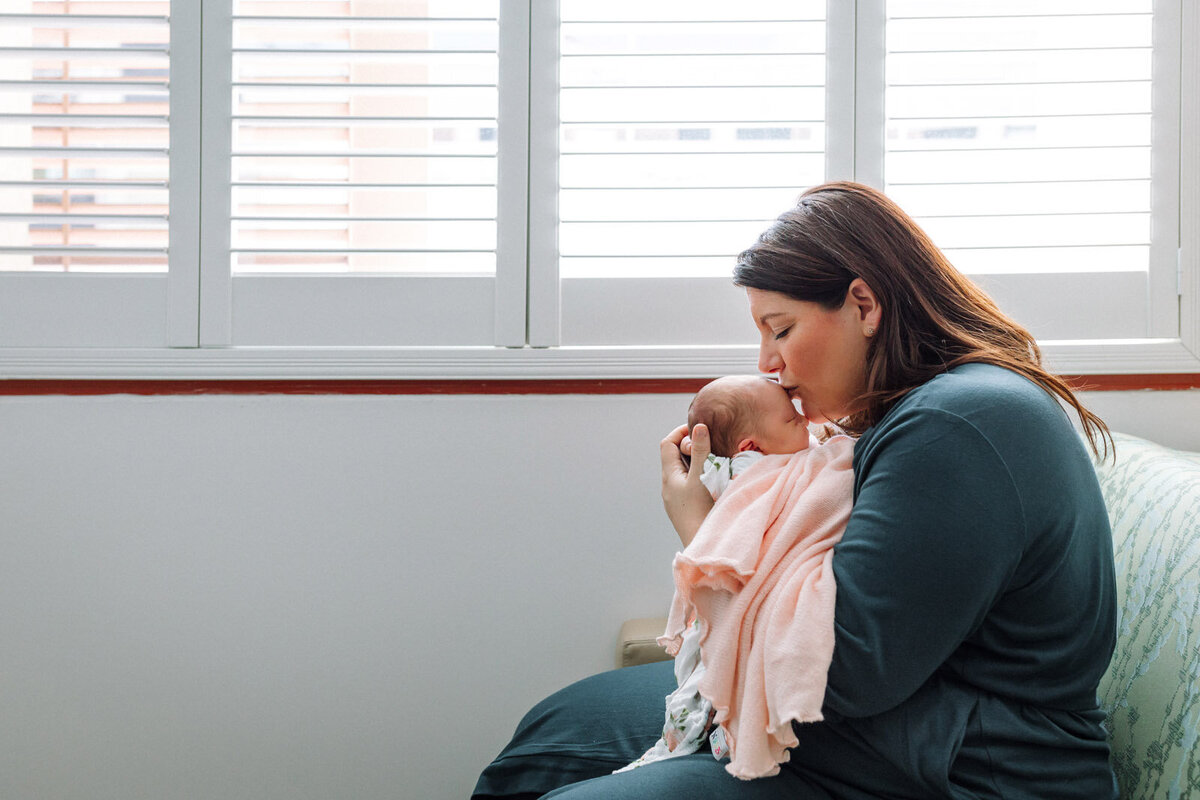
1036	143
684	128
518	188
87	167
363	158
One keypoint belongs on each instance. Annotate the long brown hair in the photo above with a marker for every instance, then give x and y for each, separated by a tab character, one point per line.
933	317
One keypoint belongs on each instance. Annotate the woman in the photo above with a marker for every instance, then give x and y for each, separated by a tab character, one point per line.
975	609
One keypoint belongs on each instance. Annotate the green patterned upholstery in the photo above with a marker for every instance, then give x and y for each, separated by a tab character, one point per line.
1152	689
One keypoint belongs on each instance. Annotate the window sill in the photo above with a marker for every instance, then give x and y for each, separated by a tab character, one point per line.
1125	357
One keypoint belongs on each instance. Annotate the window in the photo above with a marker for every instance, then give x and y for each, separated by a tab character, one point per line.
485	188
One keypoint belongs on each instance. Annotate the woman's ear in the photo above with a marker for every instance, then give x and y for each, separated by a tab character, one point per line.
865	305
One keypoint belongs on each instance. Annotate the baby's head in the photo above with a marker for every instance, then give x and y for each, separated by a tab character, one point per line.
748	412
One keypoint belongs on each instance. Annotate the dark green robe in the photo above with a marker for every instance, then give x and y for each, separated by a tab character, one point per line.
976	604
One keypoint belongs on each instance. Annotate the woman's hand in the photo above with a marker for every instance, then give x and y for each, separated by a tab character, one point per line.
685	498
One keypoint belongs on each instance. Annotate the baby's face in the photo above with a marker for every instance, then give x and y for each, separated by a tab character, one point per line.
779	427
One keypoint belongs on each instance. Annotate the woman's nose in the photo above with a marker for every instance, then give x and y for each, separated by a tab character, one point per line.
768	359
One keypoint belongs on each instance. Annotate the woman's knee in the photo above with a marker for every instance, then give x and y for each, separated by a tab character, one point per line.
585	730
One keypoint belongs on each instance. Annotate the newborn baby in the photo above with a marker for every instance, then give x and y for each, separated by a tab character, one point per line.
747	417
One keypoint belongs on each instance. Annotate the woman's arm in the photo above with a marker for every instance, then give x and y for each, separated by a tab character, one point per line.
685	498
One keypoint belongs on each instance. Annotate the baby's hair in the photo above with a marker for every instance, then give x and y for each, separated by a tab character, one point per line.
726	414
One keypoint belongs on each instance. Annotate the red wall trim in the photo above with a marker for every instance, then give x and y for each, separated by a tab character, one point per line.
1119	383
18	387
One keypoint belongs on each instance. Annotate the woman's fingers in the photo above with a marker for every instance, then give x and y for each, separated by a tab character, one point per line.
672	457
685	498
676	436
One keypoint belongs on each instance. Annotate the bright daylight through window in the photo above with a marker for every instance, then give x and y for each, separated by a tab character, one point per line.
456	188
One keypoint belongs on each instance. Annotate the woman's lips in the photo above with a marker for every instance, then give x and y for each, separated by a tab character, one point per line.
795	398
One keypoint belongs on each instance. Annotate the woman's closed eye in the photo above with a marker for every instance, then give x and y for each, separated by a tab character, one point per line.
782	333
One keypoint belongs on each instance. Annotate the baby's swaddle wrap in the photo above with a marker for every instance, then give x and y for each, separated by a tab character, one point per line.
758	577
687	713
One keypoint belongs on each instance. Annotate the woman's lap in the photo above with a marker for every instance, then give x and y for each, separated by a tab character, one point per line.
569	744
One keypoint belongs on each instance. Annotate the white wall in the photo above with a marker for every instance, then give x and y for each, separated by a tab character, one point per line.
1170	418
314	597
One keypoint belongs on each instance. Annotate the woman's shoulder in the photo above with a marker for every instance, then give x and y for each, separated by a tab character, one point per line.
986	396
971	387
982	403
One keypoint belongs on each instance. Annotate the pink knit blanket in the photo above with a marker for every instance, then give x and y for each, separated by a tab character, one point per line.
759	574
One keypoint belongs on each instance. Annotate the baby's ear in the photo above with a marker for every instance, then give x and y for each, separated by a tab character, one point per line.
748	444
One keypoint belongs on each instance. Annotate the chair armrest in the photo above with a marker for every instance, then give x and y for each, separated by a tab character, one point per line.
637	643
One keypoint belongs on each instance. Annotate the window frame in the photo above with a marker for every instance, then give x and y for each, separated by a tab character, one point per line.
198	295
299	311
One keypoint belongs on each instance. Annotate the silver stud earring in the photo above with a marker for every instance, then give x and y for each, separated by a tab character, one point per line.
870	331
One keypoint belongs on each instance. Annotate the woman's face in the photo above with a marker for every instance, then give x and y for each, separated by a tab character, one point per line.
819	356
